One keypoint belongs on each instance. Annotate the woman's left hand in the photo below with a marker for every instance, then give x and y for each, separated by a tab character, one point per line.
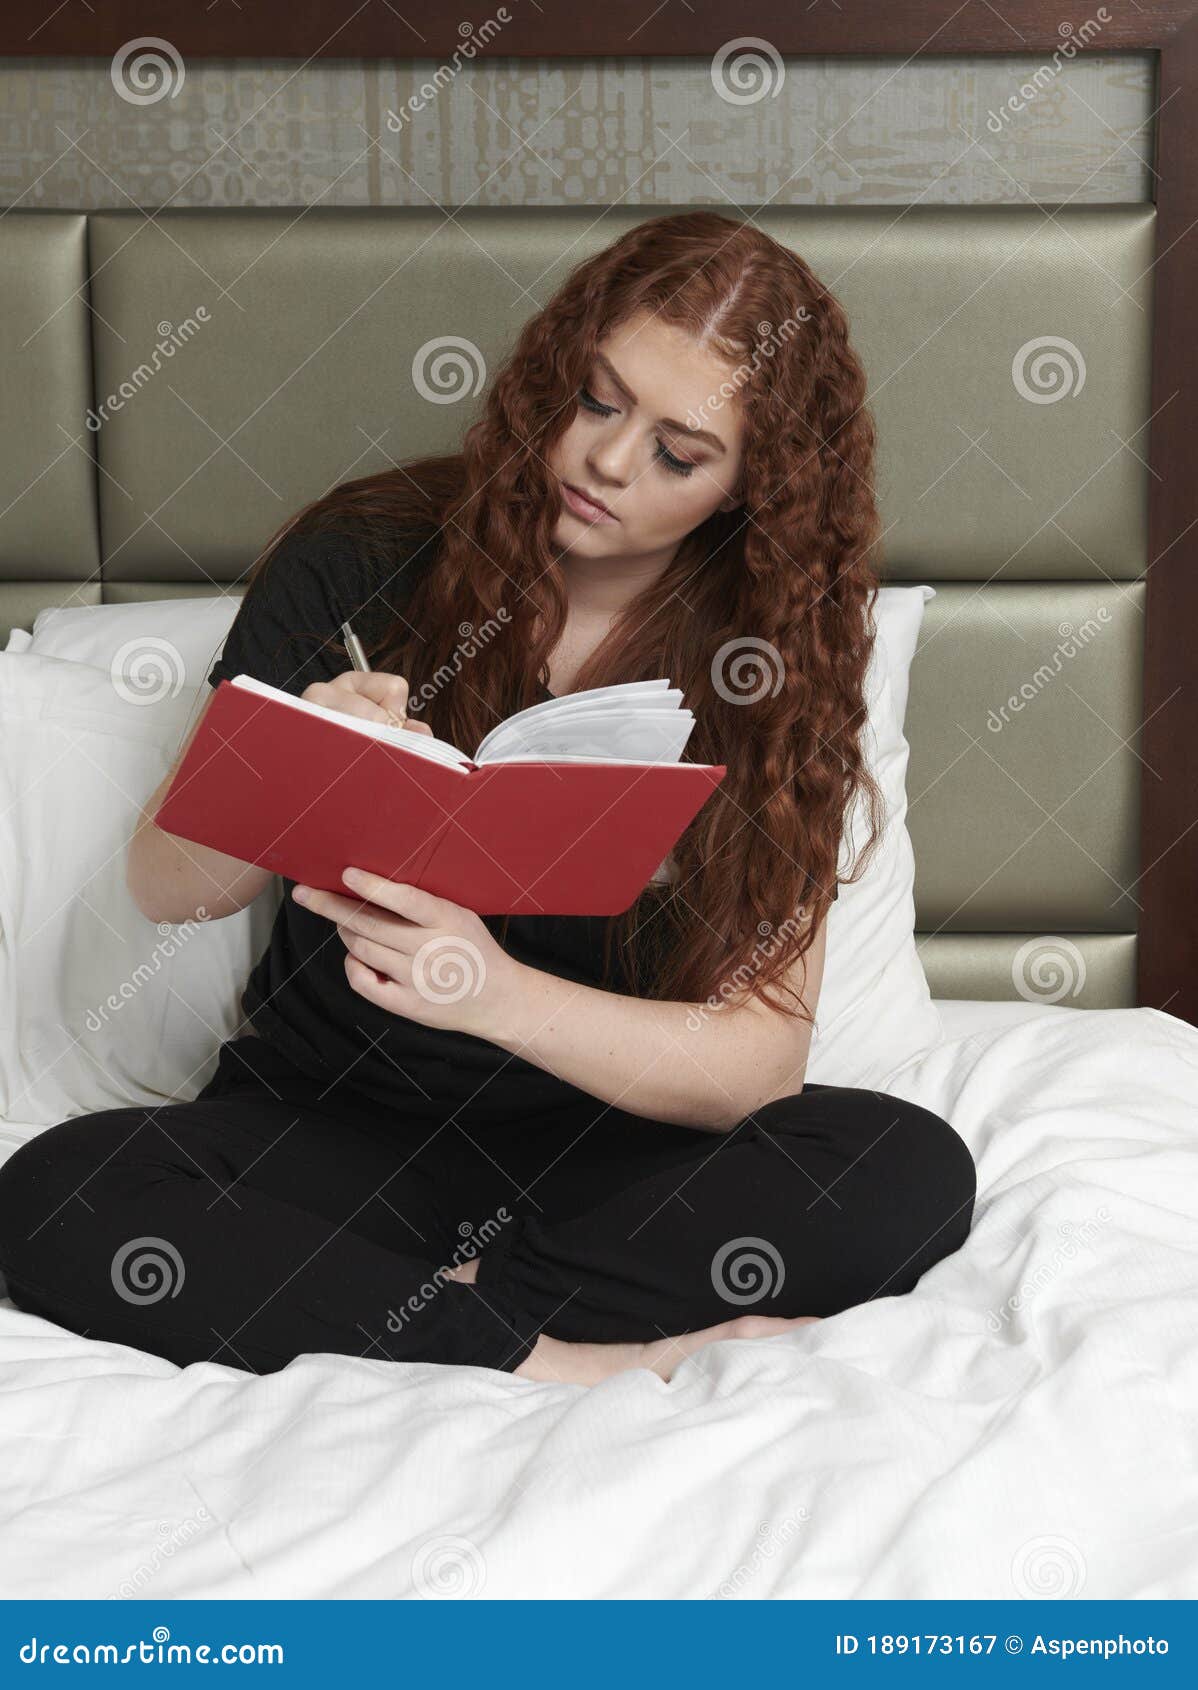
416	955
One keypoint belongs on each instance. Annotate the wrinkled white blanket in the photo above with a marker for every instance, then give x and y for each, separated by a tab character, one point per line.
1020	1425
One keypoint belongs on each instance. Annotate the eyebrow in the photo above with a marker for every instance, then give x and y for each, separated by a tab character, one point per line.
666	422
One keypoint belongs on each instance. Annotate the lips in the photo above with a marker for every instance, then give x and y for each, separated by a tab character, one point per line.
589	497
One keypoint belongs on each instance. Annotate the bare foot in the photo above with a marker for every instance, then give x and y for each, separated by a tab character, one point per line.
587	1364
467	1272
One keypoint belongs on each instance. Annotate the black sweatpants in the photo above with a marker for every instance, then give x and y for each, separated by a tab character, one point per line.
262	1221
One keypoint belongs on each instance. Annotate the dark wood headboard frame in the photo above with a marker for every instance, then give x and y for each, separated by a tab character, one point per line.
303	30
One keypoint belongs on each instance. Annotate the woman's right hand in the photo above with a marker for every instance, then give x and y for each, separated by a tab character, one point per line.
370	693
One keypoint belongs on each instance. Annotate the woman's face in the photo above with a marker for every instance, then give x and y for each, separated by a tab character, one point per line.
653	439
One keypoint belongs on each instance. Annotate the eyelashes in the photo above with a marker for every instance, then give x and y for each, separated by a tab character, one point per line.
666	459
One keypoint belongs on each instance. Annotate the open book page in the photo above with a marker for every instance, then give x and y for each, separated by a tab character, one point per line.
595	736
658	693
422	745
635	722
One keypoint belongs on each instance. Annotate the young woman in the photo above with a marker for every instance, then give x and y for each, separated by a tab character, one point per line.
556	1146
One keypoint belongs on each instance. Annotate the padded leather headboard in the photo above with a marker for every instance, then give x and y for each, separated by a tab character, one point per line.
292	338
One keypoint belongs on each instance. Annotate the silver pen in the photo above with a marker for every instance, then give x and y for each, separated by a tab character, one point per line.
358	658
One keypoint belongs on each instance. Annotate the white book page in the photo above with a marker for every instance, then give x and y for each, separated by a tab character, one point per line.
605	762
421	745
636	722
604	736
645	694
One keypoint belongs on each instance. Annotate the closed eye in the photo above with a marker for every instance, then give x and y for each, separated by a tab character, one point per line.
593	404
668	461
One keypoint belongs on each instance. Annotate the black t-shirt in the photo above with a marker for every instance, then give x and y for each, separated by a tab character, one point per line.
298	997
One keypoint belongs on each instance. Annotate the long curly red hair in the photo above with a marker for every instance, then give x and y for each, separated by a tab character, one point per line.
764	617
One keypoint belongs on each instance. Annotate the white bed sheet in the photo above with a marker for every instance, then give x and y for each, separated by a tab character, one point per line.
1020	1425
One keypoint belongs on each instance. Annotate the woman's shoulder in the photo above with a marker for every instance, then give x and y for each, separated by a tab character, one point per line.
385	549
346	565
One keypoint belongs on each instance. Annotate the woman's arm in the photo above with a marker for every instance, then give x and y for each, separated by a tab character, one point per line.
694	1064
172	879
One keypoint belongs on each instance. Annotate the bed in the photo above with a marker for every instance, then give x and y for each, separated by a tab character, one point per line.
1020	1425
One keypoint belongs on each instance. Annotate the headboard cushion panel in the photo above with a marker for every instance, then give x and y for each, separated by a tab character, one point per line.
1077	970
47	489
1023	781
303	373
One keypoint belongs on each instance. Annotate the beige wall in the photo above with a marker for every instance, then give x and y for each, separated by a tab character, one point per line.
507	132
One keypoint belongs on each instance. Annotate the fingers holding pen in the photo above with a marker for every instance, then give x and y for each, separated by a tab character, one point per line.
371	694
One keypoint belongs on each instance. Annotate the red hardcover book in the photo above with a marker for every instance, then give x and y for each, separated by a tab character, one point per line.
306	791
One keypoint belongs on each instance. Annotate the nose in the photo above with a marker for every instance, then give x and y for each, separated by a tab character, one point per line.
612	458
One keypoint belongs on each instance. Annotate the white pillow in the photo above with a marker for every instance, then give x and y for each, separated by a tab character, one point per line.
159	640
102	1006
875	1012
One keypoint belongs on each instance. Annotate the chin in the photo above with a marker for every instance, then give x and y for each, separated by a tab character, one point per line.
575	536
